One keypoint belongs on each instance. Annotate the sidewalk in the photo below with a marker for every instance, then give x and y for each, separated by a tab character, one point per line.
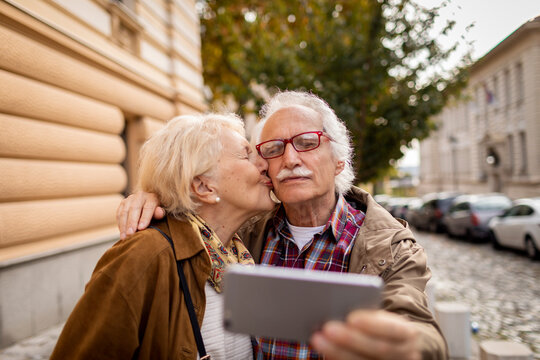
41	346
35	348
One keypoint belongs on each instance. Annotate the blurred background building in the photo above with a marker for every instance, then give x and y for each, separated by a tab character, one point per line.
82	85
489	139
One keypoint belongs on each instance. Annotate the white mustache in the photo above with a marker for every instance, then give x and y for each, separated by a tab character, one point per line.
295	172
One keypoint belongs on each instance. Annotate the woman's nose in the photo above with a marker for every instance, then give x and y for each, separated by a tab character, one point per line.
261	164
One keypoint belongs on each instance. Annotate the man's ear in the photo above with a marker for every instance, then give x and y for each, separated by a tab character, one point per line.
339	167
204	189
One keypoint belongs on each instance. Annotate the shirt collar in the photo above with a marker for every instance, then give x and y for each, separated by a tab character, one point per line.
336	222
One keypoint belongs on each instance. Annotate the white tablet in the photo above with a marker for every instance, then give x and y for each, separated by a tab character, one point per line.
291	304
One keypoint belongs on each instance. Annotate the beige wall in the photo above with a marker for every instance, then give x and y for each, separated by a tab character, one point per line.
499	115
83	84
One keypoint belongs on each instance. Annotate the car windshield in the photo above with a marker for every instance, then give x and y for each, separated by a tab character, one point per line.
493	203
444	204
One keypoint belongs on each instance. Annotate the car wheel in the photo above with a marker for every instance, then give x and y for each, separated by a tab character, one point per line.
468	236
494	242
449	232
531	249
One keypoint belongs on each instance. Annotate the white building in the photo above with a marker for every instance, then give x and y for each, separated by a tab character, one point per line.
489	139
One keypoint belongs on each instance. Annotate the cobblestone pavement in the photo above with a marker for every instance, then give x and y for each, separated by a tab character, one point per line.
38	347
501	288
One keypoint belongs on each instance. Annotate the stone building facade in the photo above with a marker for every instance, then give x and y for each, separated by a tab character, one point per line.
489	139
82	84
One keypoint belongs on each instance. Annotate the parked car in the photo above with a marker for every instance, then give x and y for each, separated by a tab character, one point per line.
469	215
413	211
519	227
430	215
398	206
382	199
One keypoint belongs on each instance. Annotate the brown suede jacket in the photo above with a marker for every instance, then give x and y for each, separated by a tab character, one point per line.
132	307
384	247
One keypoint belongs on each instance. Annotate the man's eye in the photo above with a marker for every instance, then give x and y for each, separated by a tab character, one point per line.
305	143
272	149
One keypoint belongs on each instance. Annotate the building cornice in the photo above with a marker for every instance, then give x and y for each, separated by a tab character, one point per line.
520	33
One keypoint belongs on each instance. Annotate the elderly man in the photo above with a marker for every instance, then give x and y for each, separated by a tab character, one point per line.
325	223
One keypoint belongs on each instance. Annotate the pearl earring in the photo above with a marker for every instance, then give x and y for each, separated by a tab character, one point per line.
218	199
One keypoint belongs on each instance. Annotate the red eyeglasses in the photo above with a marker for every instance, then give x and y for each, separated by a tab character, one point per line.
302	142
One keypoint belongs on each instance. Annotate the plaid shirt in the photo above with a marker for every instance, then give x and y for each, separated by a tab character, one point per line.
328	250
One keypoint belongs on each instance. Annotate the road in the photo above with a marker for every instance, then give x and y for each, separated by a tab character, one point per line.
502	288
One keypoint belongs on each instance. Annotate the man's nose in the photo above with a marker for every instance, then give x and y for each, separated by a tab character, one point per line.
290	156
261	164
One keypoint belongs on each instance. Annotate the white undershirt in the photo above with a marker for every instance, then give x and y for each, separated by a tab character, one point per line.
303	235
221	344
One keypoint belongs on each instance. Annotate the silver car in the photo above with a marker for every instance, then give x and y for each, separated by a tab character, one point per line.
519	227
469	215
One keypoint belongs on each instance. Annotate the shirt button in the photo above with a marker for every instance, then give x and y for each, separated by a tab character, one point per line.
382	262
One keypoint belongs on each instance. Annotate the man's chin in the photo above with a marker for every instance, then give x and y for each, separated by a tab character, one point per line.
291	195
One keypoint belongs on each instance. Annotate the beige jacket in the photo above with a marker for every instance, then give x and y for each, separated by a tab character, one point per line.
384	247
132	307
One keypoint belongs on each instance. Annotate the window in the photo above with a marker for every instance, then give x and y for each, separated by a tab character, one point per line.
519	82
511	154
523	144
495	96
130	4
521	210
478	99
506	79
526	210
126	29
464	206
514	211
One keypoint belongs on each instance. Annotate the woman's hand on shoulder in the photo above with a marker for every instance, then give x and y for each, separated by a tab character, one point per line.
136	211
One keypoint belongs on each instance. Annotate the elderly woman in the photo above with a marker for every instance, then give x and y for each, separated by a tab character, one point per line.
210	181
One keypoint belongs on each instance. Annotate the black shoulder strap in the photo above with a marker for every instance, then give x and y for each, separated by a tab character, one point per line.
189	303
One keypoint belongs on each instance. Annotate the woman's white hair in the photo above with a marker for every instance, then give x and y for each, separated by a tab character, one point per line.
341	142
187	147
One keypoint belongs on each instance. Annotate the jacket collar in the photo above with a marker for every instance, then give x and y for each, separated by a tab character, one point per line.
187	242
372	252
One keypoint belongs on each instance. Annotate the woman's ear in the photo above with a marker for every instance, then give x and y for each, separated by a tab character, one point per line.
204	189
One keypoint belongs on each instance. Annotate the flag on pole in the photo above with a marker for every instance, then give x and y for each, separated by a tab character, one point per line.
490	98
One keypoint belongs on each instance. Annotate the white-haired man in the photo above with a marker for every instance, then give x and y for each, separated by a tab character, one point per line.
324	223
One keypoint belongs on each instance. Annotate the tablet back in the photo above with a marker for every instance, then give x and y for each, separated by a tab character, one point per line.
291	304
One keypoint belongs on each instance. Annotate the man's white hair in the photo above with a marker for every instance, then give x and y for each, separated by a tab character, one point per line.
334	127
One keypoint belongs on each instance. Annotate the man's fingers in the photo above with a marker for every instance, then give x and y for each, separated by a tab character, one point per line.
355	344
381	324
331	350
357	338
159	213
134	214
121	217
136	211
149	210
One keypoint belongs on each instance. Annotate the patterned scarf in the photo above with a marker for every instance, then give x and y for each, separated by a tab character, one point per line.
220	256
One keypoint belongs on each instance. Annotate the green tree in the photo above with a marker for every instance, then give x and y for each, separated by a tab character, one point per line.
377	64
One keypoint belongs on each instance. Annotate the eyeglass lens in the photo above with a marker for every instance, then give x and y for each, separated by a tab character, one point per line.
301	142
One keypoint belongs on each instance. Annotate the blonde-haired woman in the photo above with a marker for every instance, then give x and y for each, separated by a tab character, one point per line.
210	181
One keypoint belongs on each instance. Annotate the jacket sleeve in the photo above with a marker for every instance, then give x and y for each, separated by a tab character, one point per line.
101	326
405	294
